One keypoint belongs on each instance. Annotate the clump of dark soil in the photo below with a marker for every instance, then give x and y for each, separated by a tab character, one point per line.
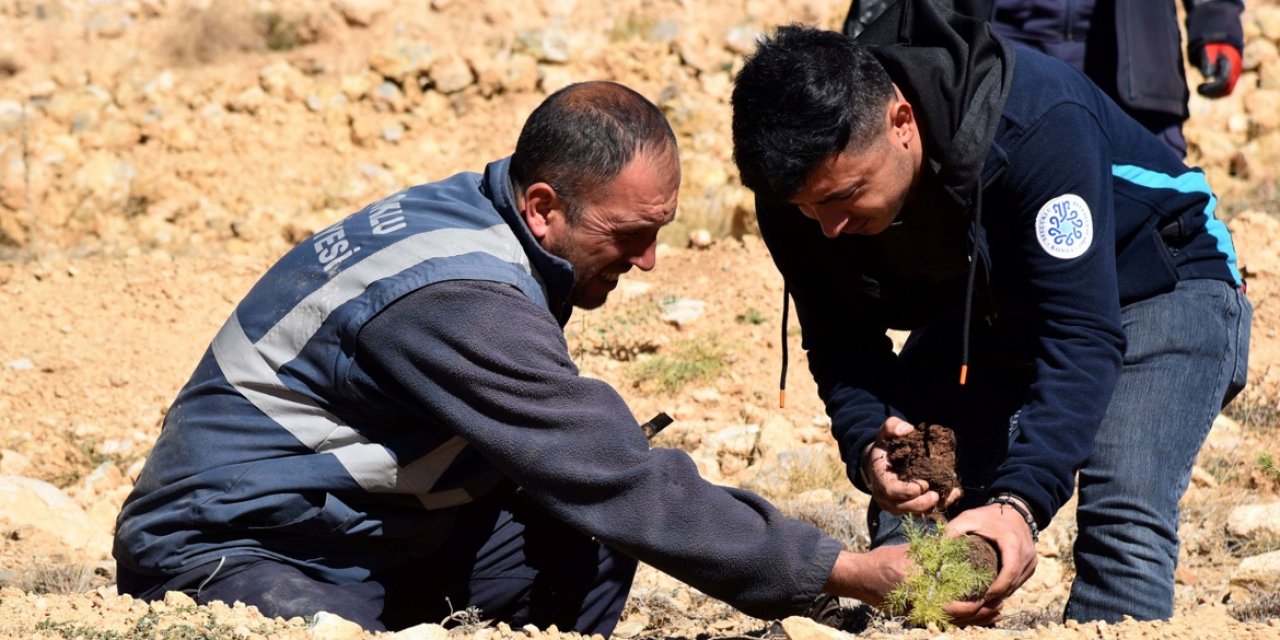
983	556
928	453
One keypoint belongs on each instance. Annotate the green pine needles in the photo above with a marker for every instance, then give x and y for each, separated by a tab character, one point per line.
941	573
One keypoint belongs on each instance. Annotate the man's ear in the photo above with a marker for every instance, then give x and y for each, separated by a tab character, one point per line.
543	210
902	120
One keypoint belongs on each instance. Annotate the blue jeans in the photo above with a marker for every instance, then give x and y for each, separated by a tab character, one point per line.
1185	358
505	556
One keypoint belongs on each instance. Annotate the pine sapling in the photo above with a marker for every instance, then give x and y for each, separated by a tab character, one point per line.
941	573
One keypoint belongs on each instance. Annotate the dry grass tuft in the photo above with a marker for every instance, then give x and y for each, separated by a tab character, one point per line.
55	574
1260	610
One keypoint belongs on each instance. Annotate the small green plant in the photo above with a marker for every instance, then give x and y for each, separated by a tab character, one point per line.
280	33
688	361
940	573
1267	463
751	316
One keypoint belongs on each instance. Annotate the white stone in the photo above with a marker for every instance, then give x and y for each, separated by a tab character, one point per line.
10	115
22	364
1255	521
38	504
700	239
739	440
742	40
799	628
544	45
329	626
681	312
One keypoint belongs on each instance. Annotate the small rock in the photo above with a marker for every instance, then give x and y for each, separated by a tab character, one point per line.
38	504
451	74
22	364
800	628
742	40
700	239
361	13
283	80
10	115
178	599
544	45
1202	478
706	396
401	60
520	73
1256	575
392	132
1255	522
663	31
329	626
682	312
740	440
629	629
108	25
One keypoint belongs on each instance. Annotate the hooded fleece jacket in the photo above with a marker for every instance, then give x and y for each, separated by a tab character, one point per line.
1064	207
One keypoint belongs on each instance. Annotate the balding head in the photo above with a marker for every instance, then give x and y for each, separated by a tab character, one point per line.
582	136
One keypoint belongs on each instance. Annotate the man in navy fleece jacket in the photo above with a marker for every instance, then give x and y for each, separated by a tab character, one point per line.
389	426
1073	302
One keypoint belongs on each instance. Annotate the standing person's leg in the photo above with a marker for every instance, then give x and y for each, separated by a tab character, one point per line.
1186	356
515	563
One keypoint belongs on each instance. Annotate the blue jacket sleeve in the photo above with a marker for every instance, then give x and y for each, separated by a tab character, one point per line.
1213	21
850	355
1058	200
491	365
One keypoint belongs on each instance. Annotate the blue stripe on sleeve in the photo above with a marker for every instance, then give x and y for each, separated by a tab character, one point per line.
1190	182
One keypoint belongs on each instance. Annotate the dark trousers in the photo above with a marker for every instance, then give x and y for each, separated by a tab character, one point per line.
508	558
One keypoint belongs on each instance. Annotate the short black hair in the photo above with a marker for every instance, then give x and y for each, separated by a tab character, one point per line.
582	136
804	95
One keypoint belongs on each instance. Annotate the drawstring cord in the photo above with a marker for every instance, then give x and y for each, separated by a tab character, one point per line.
782	382
969	287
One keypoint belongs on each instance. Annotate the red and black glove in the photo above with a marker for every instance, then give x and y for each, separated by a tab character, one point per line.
1220	63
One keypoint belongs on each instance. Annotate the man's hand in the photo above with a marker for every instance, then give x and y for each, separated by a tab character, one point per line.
870	577
887	489
1005	527
1220	63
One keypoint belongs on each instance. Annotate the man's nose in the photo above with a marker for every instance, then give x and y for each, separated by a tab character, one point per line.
832	222
648	259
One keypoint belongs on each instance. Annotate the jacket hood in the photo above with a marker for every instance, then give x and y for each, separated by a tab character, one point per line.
553	272
957	73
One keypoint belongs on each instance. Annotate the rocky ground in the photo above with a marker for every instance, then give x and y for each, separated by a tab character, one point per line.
156	155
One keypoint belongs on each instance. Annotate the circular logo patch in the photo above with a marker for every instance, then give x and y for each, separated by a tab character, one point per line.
1064	226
